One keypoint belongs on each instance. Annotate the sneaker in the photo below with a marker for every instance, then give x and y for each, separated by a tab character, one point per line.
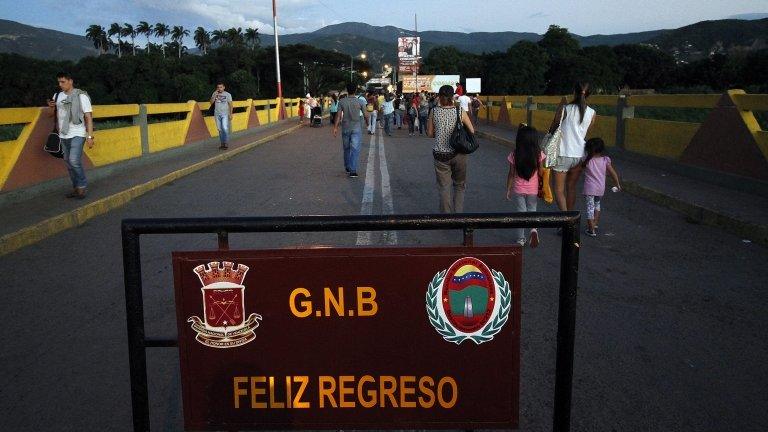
353	175
534	240
591	233
223	147
521	242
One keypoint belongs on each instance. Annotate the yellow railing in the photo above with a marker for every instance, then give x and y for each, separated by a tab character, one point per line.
150	130
626	127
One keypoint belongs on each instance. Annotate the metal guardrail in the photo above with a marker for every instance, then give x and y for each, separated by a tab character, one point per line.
138	341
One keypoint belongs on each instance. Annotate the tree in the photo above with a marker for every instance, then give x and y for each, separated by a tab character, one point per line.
218	38
644	67
177	35
116	30
129	31
146	29
558	43
161	31
234	36
252	38
98	36
202	39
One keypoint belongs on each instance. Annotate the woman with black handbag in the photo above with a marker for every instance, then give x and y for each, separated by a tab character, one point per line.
450	165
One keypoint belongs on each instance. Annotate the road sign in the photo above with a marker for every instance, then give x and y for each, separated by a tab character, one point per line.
349	338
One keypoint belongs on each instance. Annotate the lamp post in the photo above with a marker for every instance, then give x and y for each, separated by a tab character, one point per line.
352	64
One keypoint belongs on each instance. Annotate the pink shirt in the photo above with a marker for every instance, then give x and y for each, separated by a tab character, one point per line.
522	186
594	175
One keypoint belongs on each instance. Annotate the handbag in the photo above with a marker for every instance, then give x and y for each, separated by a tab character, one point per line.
550	144
462	140
53	142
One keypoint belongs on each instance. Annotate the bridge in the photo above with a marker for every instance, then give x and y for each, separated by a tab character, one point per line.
670	321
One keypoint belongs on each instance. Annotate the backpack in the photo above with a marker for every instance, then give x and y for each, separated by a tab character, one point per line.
53	142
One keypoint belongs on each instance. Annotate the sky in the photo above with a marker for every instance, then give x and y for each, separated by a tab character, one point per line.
584	17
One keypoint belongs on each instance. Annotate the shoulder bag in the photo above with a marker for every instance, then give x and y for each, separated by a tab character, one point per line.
550	145
462	141
53	142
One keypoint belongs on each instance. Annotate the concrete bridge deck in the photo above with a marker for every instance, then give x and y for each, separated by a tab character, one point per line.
670	325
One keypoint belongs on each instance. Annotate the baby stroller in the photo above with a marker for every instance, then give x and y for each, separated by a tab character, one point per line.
316	120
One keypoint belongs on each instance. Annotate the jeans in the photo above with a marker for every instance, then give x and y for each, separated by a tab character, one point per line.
222	124
351	141
455	170
398	119
524	203
73	157
422	124
372	122
388	119
411	126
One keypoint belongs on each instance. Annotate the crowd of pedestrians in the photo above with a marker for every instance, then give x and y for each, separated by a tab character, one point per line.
436	115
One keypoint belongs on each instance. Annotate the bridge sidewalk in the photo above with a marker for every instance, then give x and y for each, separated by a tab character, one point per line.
737	212
31	215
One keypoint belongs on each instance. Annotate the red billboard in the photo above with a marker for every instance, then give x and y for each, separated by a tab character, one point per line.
395	338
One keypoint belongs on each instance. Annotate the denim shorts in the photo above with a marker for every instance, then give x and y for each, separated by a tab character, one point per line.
565	163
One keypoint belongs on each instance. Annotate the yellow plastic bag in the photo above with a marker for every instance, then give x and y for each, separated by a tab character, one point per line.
545	192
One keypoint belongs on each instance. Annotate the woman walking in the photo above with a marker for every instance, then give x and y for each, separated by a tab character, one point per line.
450	167
334	107
577	118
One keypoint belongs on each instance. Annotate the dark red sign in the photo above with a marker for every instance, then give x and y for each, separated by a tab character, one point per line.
396	338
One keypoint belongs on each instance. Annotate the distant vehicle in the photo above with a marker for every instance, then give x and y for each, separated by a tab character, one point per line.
378	84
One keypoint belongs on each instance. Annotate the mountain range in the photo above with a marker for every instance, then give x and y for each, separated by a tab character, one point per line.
379	42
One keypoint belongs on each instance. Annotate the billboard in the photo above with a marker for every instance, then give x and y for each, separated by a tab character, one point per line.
428	83
408	54
364	338
473	85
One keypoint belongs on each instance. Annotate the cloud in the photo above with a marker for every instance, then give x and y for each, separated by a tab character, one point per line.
538	15
236	13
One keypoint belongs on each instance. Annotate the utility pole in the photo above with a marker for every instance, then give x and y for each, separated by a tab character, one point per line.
281	110
418	53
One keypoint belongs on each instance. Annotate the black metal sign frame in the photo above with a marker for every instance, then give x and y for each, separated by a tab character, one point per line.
138	342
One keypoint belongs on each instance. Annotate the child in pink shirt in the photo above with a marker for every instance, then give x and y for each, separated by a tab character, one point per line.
525	169
595	166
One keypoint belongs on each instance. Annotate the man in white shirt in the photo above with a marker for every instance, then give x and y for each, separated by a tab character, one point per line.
464	102
74	121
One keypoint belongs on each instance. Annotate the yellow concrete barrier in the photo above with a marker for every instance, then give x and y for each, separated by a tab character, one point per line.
674	101
110	111
665	139
114	145
11	150
605	128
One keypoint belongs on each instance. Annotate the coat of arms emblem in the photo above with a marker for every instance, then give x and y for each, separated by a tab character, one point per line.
225	324
468	301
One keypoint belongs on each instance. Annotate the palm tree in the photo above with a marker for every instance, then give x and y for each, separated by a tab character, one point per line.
178	34
115	29
146	29
202	39
161	31
98	35
218	37
129	31
252	37
234	36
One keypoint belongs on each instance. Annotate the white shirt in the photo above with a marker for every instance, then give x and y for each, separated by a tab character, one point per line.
575	131
74	130
464	101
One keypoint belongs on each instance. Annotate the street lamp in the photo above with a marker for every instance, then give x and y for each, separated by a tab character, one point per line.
352	65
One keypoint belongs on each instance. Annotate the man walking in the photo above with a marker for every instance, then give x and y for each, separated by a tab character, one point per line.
74	121
351	114
388	109
222	113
